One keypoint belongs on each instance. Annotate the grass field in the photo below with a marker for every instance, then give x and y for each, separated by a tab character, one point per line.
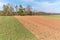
12	29
53	16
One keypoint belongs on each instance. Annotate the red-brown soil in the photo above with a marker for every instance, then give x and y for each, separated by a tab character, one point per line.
43	28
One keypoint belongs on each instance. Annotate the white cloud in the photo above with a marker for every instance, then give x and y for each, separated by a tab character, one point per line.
47	6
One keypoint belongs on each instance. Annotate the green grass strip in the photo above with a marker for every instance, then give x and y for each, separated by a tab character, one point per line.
12	29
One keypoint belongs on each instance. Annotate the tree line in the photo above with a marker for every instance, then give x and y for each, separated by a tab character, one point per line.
10	10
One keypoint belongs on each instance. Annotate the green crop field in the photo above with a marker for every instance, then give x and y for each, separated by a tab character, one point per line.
12	29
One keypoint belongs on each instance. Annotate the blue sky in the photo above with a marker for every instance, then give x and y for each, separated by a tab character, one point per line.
52	6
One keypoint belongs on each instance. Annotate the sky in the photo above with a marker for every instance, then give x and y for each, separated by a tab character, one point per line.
52	6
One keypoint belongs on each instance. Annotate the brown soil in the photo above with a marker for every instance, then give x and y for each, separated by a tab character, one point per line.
43	28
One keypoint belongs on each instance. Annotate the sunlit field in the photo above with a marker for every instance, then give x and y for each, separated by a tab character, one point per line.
12	29
53	16
44	27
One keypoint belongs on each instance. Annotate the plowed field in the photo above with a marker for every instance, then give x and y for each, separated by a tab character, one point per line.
43	28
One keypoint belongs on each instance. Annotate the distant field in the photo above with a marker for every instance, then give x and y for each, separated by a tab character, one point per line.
12	29
53	16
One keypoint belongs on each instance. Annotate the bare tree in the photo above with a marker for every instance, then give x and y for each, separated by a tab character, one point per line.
10	9
16	7
28	10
